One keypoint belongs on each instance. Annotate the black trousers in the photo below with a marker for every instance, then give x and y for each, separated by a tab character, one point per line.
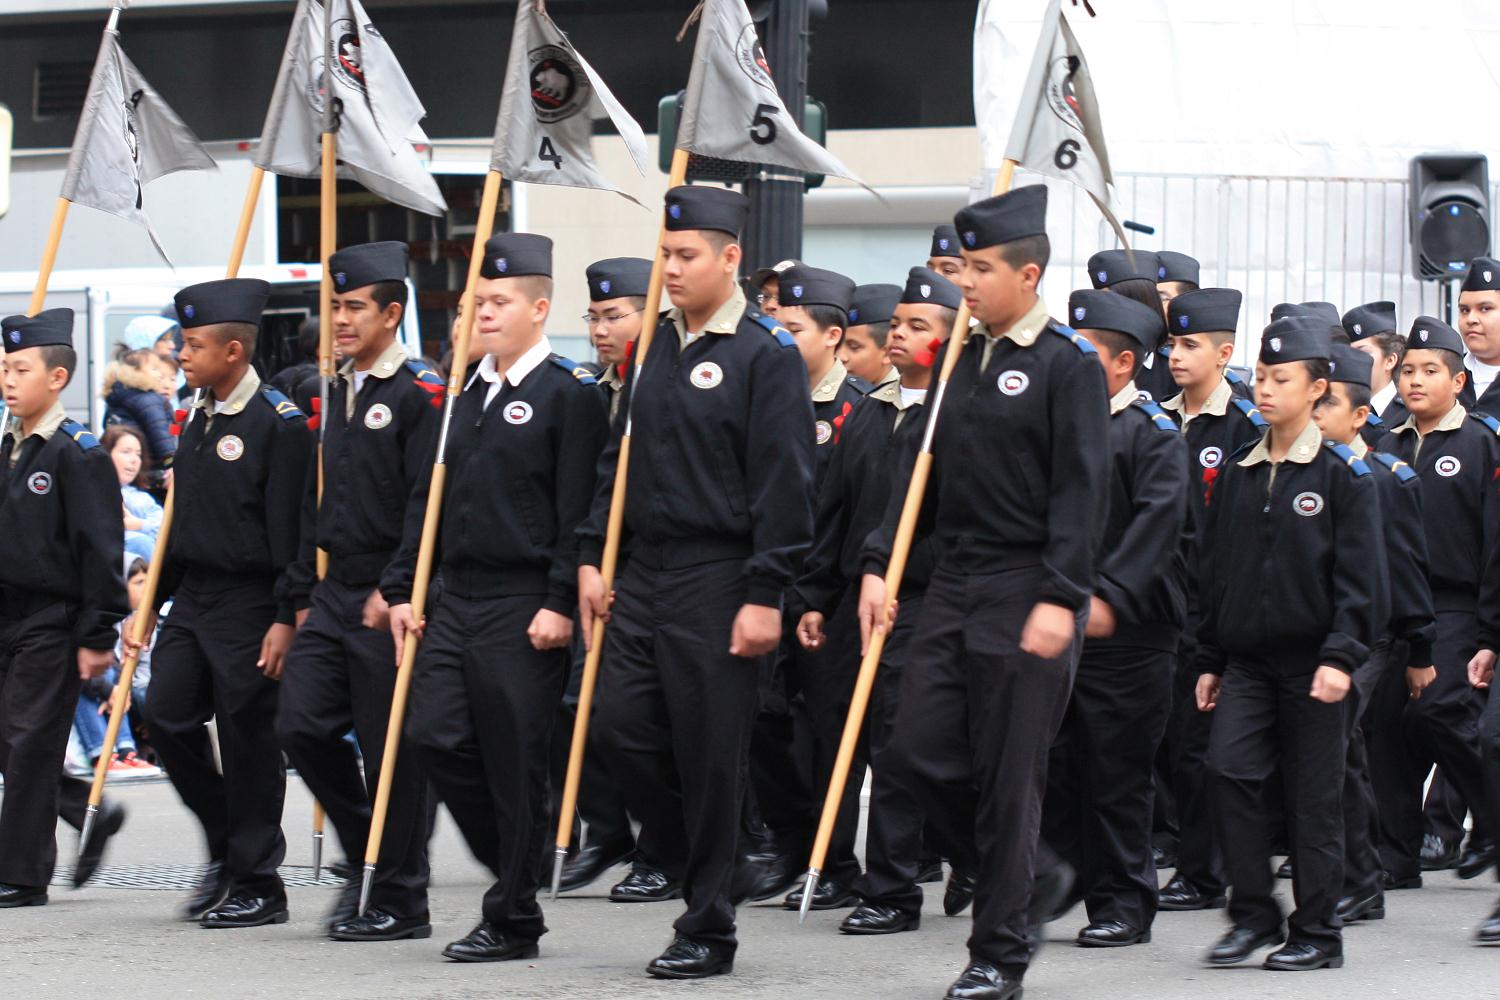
976	721
340	675
204	668
1489	743
1441	727
1199	859
1098	812
1372	682
483	701
674	717
39	687
1267	720
784	805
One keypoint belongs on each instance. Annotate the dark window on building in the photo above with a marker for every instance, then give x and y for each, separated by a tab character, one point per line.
60	89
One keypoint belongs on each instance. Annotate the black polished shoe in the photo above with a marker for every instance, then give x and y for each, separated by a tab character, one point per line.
1180	894
1053	894
1285	871
1438	855
761	876
346	907
1352	909
1489	931
245	910
111	817
983	981
827	896
878	918
929	871
213	889
1111	934
645	885
1390	883
1476	861
1239	944
1302	958
487	943
959	893
378	925
588	864
689	959
1163	857
22	895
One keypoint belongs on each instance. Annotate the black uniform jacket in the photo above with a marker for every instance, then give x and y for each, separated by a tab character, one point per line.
721	457
60	521
1412	619
1020	461
240	476
833	400
519	479
1292	566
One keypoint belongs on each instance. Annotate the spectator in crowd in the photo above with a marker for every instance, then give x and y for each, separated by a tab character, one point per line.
133	397
91	719
143	514
299	380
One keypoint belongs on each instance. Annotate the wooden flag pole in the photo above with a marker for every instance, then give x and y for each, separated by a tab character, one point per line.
49	256
906	528
488	205
119	699
611	554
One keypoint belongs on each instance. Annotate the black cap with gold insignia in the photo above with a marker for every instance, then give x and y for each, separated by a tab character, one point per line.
1004	218
1174	266
873	303
229	300
1110	267
48	328
1370	319
1298	337
367	264
1428	333
925	286
516	255
1347	364
693	207
945	242
618	277
1483	276
813	286
1094	309
1204	310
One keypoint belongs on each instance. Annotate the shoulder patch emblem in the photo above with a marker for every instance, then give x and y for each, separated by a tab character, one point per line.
422	373
518	412
1013	382
1251	413
1073	337
1307	504
1447	466
776	330
230	448
377	416
80	434
1403	472
1210	457
706	376
285	408
40	483
574	369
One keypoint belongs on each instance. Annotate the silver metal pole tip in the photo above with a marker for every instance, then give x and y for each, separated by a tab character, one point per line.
88	829
317	851
364	888
557	866
809	887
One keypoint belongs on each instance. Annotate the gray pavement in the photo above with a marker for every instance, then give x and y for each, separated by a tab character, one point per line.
122	943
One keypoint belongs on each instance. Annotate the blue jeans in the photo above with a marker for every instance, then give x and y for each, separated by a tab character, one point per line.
91	726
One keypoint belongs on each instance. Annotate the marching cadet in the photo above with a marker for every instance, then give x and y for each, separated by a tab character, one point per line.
815	310
1371	329
1176	273
521	445
1275	672
945	257
1134	274
1098	809
377	439
1455	454
617	299
1479	315
863	352
1381	686
61	593
1215	422
241	468
881	435
719	514
1018	487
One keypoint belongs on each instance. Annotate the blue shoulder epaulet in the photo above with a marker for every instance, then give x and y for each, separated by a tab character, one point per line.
1251	413
573	368
80	434
1487	420
1072	336
1374	420
1346	454
1403	472
1233	377
776	330
1158	416
422	373
285	408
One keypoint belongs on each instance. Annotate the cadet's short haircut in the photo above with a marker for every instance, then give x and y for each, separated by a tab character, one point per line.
826	316
386	292
1118	343
1028	250
1359	395
60	356
535	286
1450	359
1317	368
877	332
636	301
245	333
717	239
1140	289
1391	344
1220	338
947	317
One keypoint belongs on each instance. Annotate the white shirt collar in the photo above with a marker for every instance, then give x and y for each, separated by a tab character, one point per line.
523	366
1380	400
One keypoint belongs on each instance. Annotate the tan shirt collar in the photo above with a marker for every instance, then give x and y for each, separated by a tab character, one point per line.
45	427
389	363
891	375
1123	398
610	376
724	320
828	386
1359	447
236	400
1452	421
1303	450
1028	327
1216	405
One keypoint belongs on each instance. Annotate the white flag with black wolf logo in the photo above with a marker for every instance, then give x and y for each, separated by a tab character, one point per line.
732	110
377	110
127	137
551	99
1057	130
